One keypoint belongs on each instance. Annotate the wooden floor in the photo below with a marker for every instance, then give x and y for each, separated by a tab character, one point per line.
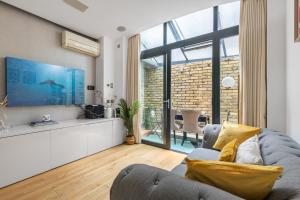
91	177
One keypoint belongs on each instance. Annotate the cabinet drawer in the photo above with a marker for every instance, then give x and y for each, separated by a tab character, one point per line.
99	137
24	156
67	145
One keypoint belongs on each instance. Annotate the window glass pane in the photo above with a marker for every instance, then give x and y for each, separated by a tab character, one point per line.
151	99
155	62
194	24
230	46
199	54
152	37
170	35
229	15
229	74
177	56
191	89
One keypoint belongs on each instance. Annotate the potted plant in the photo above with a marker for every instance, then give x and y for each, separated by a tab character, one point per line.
127	113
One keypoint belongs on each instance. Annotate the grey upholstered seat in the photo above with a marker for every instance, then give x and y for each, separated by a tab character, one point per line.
197	154
141	182
279	149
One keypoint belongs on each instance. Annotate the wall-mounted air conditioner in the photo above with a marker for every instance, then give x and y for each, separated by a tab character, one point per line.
80	44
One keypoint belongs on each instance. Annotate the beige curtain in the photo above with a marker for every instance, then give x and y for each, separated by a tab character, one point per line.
253	87
133	71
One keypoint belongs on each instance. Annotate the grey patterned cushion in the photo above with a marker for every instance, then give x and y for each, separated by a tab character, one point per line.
143	182
279	149
211	134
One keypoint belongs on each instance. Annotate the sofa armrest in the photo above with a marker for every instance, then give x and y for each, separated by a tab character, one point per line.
143	182
211	133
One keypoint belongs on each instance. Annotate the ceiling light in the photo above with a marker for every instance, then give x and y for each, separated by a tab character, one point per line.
121	28
77	5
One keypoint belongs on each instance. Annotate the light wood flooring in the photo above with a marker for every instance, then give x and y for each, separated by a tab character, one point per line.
91	177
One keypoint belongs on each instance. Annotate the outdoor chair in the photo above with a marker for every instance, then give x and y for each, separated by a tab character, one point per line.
190	124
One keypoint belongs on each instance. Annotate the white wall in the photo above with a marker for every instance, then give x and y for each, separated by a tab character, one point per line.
111	68
276	65
105	70
121	46
292	75
25	36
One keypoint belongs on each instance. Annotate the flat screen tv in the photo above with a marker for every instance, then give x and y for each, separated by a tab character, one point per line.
30	83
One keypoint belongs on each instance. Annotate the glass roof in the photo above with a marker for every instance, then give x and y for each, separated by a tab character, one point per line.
193	25
230	46
152	37
199	54
229	15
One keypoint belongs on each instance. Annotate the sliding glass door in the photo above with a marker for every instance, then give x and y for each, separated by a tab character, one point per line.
191	94
189	63
155	98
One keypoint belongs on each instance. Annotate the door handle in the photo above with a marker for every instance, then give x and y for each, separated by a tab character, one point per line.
168	103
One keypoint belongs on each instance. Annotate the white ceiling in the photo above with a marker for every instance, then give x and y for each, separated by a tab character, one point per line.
103	16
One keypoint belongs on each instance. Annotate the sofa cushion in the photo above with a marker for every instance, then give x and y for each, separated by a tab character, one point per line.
249	152
231	131
247	181
211	134
279	149
197	154
229	151
204	154
142	182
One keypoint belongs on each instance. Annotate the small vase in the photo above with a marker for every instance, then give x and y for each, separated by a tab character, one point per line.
3	118
130	140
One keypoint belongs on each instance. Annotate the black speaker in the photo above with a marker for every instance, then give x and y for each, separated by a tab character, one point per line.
94	111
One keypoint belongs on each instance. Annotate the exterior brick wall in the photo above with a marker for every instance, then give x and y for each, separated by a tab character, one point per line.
192	87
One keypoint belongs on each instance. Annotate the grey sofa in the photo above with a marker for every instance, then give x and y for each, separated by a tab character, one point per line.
142	182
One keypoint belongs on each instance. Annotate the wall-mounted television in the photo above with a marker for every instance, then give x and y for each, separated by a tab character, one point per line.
30	83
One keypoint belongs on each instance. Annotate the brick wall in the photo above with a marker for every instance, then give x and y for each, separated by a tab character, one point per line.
192	87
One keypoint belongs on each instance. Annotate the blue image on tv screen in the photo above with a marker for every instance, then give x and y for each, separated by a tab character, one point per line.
31	83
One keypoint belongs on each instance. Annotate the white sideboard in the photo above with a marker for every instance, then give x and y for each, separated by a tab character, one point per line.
27	151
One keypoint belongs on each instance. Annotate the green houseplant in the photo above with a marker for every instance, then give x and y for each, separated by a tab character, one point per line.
127	113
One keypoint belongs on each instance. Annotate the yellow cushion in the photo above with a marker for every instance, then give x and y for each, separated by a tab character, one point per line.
246	181
229	151
232	131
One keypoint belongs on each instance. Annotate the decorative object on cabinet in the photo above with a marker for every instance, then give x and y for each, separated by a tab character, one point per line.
3	116
297	21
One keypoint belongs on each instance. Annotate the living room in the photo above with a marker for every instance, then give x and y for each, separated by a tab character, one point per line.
130	100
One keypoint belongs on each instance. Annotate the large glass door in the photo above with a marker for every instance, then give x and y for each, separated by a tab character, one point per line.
199	52
191	86
155	98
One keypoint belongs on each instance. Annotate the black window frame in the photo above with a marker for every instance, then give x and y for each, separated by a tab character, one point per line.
216	37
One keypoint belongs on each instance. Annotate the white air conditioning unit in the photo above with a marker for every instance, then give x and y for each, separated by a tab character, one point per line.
80	44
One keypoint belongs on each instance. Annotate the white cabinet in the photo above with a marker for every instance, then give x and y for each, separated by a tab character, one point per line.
23	156
36	150
119	132
99	137
68	144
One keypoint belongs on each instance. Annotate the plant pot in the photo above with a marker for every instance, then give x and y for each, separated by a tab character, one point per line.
130	140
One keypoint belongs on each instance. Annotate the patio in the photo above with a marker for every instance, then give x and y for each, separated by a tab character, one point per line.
191	89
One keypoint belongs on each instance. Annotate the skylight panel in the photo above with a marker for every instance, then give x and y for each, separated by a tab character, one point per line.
231	46
195	24
153	37
229	15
